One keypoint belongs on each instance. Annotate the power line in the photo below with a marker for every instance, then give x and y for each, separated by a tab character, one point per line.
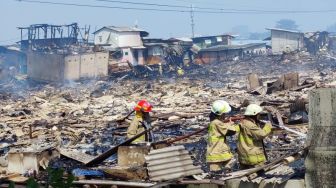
198	2
147	4
192	21
101	6
250	10
219	11
204	8
165	5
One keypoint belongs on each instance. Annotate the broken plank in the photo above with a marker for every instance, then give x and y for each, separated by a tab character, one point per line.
110	182
114	150
76	155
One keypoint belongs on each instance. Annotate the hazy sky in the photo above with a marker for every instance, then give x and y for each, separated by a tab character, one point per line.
165	24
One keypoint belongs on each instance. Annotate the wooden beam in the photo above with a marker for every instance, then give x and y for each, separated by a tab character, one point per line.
110	182
114	150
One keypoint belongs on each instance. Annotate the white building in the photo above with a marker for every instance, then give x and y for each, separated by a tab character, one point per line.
285	40
128	39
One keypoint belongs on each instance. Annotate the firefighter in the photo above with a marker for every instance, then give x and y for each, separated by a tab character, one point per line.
140	122
180	71
250	139
219	156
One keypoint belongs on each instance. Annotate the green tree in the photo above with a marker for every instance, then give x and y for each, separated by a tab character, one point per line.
31	183
56	178
286	24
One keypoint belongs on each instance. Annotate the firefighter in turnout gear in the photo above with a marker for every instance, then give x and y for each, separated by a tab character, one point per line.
140	122
219	156
250	139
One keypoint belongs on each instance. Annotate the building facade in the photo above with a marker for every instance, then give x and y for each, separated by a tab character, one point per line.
126	41
207	41
286	40
223	53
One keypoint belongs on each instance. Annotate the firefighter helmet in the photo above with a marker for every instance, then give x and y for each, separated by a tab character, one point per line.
219	107
143	106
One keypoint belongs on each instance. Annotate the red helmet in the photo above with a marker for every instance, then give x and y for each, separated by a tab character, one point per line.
144	106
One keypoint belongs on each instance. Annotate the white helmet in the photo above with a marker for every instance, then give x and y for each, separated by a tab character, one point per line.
219	107
252	110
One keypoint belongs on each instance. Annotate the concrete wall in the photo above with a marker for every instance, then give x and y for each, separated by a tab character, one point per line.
57	68
320	162
129	56
283	41
131	39
90	65
45	67
118	39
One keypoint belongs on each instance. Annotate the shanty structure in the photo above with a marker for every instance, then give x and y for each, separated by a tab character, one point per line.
11	56
172	51
124	44
226	52
213	40
46	36
317	41
156	50
285	40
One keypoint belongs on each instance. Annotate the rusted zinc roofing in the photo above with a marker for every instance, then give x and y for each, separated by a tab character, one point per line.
170	163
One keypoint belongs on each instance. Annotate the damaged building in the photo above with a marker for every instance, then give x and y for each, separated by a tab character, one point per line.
12	56
54	54
214	40
83	129
46	37
286	40
222	53
124	45
316	41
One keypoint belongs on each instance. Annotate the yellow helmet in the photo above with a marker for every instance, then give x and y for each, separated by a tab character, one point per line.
252	110
220	107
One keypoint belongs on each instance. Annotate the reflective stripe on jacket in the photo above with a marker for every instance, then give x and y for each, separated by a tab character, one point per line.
136	128
250	138
217	149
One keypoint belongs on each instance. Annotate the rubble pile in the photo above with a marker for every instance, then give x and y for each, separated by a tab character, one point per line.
84	116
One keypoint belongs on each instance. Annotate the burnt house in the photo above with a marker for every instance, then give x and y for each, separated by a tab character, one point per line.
54	54
207	41
11	56
223	53
286	40
316	41
124	45
156	51
45	37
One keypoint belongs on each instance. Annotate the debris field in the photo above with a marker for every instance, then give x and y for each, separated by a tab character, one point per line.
82	120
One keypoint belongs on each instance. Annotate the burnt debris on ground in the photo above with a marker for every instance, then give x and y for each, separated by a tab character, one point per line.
67	126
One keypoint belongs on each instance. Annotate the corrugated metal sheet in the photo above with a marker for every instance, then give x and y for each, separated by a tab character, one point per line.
170	163
277	175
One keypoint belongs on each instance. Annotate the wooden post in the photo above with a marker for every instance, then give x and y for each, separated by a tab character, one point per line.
30	131
291	80
254	81
321	160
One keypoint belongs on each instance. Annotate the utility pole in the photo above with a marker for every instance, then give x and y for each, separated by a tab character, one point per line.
192	21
